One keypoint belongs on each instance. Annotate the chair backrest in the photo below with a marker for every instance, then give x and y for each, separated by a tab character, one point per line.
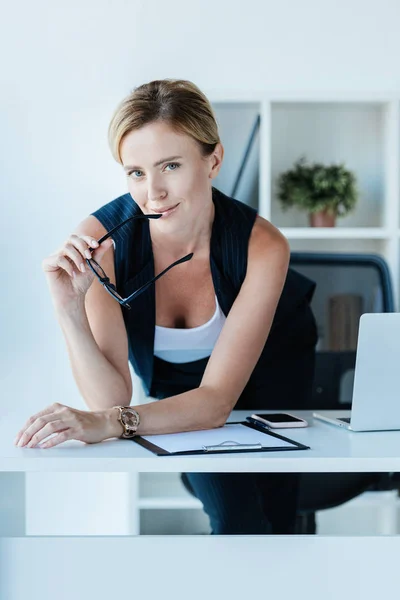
348	285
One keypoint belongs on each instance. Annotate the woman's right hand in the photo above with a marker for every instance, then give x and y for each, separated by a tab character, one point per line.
68	275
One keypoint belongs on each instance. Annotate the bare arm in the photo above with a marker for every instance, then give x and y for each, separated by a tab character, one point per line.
95	336
99	381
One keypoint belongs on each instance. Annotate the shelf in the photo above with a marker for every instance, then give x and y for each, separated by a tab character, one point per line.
169	503
336	233
352	133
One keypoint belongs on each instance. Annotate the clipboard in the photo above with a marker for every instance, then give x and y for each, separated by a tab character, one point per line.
227	446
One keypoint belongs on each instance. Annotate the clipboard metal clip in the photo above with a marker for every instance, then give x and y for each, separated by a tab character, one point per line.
232	445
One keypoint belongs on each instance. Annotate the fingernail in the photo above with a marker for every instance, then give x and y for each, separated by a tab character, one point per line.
20	443
82	268
94	244
88	254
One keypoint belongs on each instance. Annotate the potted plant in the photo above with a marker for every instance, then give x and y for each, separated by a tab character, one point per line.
326	192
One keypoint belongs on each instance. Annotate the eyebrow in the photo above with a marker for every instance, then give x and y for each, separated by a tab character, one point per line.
156	164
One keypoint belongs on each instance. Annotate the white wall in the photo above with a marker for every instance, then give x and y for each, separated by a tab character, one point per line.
65	66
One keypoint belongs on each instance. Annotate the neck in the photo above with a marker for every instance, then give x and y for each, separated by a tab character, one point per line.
194	237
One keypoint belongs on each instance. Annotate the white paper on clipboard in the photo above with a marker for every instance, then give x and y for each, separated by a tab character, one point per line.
230	432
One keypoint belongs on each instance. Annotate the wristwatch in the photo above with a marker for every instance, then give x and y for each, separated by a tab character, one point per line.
129	419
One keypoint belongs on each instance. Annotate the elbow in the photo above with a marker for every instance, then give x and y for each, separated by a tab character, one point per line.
223	414
220	409
221	421
214	422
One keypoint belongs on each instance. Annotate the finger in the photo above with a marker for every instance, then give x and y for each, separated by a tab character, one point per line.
91	242
102	249
50	263
83	244
61	436
64	263
76	256
33	429
32	419
42	433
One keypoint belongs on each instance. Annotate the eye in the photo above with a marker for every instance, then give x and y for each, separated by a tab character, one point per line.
135	177
176	165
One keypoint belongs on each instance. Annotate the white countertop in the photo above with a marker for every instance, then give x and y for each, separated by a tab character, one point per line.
332	450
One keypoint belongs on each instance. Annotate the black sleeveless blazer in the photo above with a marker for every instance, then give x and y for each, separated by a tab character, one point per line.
134	266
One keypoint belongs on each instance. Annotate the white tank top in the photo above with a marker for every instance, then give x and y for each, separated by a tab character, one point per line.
185	345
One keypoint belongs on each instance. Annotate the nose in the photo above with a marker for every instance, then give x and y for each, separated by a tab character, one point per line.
155	190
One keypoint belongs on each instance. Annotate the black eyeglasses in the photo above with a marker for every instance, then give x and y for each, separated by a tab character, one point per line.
104	280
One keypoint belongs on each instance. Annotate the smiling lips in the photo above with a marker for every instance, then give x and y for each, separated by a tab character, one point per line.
165	210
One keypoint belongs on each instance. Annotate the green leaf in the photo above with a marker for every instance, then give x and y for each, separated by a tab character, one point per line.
316	187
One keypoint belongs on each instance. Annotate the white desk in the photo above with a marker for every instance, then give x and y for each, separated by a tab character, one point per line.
332	450
187	566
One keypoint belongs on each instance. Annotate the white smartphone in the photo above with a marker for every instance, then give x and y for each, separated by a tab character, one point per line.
279	420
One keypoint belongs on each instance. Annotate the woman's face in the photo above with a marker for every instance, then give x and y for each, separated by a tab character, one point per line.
166	170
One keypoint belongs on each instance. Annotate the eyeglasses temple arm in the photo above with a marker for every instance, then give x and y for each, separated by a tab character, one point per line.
109	233
146	285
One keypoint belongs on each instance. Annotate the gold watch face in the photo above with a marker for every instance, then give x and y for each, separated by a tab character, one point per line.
129	418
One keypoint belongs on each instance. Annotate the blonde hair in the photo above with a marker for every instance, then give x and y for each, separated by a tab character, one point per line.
176	101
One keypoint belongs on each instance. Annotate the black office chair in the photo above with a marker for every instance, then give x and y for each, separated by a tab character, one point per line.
366	278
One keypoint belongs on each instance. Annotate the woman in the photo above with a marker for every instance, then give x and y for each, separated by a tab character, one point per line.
229	326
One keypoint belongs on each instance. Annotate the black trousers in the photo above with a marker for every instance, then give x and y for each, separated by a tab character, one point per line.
248	503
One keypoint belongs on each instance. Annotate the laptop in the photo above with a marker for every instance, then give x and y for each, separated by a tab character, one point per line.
376	393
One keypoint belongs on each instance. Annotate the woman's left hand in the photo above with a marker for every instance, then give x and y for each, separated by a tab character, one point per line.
68	424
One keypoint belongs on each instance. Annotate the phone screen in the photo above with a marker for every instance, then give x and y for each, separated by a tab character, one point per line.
278	418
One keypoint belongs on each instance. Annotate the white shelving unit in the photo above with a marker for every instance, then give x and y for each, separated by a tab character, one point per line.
361	130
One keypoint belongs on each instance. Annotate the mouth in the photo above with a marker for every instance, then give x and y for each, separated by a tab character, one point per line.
165	211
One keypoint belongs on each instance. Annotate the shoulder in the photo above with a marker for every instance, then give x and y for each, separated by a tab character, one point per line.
116	211
242	221
108	216
232	212
251	242
267	244
91	226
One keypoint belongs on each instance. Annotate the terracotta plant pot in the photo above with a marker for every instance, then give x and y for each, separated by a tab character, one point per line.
324	218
